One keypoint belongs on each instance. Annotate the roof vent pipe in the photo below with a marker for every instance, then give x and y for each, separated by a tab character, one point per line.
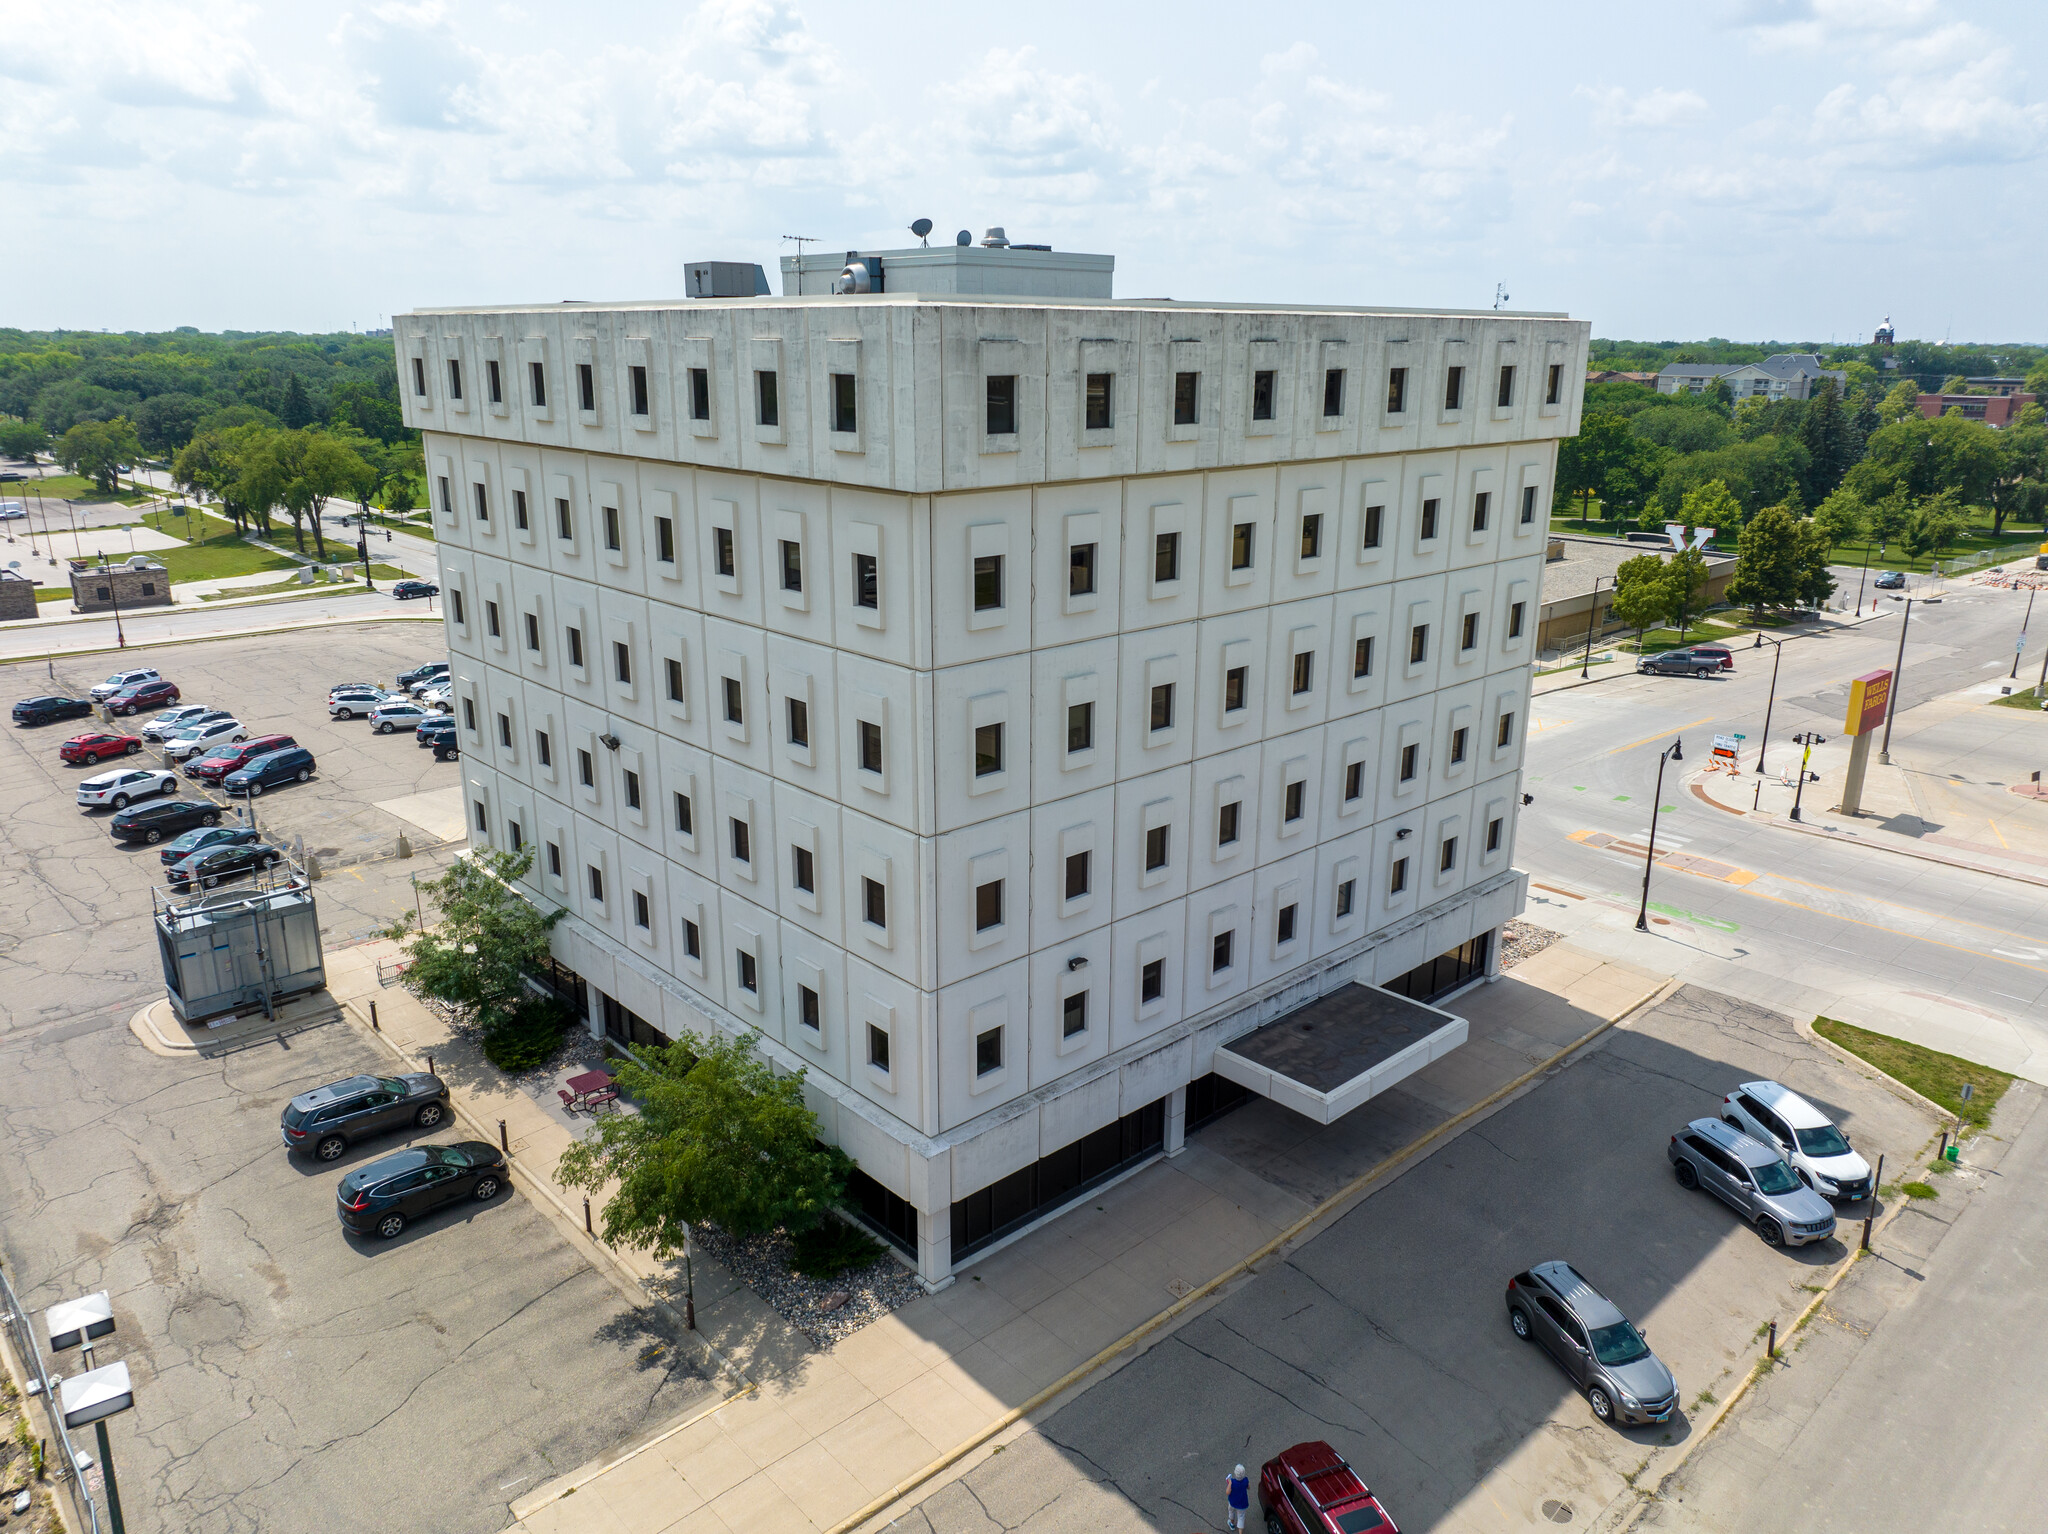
995	239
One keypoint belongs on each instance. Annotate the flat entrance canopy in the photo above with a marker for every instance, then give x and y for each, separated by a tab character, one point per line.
1324	1059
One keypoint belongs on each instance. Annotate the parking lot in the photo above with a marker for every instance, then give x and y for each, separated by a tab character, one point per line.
1387	1334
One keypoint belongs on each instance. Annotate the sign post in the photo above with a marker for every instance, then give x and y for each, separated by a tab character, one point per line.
1869	700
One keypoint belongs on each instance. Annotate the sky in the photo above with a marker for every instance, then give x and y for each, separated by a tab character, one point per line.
1754	169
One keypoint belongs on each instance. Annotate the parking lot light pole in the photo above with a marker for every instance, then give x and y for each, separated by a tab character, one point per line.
1592	617
1884	752
2024	622
1669	753
363	551
96	1394
1769	702
114	594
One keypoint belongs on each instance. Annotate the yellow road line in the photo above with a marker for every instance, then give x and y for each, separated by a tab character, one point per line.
1857	921
1995	832
2030	939
1650	739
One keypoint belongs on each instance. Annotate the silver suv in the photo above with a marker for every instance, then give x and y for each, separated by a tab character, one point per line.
1754	1179
1594	1343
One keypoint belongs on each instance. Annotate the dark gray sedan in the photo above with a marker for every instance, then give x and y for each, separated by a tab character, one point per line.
1594	1343
327	1120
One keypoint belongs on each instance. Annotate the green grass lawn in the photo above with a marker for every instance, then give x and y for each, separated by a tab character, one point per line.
216	552
54	593
2028	698
197	528
76	487
1935	1076
2015	539
1723	626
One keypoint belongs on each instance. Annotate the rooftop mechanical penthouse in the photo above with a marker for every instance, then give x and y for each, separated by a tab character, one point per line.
1004	704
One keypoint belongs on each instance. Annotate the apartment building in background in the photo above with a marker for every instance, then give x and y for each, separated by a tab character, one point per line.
1013	708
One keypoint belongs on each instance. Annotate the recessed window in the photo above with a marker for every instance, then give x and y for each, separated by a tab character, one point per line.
874	903
1101	401
988	582
482	496
1481	505
722	557
447	496
686	819
1505	395
866	590
1080	569
1166	557
494	381
611	528
622	661
1454	388
1375	516
574	637
1074	1015
803	871
1333	392
1241	546
1458	744
565	522
807	1007
537	384
555	859
1528	504
543	748
1263	381
1429	517
1283	926
1468	633
1152	981
1347	892
586	769
1504	732
517	838
988	749
767	408
1361	657
1156	848
844	418
1292	800
1354	782
1077	875
1447	855
483	822
693	939
735	713
1080	726
750	975
674	670
1493	835
469	715
1553	388
505	731
1220	950
1515	619
1397	390
1304	671
742	840
1418	644
586	386
1002	405
1397	877
1186	398
419	377
988	905
878	1048
636	377
1409	753
1226	822
642	915
491	618
799	722
1162	706
519	510
792	565
870	746
1312	535
596	880
700	394
532	631
1234	688
631	780
988	1052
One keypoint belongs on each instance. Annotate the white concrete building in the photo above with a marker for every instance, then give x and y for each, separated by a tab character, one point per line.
1000	704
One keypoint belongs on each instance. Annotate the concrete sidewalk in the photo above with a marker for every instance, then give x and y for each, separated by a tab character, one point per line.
828	1436
1611	659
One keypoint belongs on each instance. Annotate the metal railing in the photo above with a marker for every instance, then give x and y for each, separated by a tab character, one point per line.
21	1333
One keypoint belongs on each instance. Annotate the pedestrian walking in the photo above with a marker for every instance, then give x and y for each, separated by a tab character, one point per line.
1237	1498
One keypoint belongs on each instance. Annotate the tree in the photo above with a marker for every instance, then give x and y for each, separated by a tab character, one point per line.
1642	594
1719	396
1955	384
476	957
719	1139
2021	486
1900	401
165	422
99	450
1687	573
1816	582
1839	519
22	440
1824	429
1770	572
1888	518
1583	461
2037	379
398	496
1937	525
295	411
310	467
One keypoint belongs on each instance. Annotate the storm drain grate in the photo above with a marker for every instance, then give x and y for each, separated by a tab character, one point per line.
1557	1512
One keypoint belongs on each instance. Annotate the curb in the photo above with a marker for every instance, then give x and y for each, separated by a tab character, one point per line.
1891	1084
1336	1203
525	1507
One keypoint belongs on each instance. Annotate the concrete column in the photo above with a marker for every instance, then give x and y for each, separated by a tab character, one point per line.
1852	780
593	1010
1176	1121
935	1250
1493	954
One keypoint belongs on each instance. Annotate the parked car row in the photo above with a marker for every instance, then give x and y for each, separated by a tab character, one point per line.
419	701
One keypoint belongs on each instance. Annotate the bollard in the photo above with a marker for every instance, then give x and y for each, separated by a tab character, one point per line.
375	1026
1942	1154
586	1216
1772	1350
504	1144
430	1065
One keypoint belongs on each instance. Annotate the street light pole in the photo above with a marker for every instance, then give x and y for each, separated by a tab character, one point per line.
1592	617
1884	752
107	1474
1777	654
2024	622
1866	571
114	595
1669	753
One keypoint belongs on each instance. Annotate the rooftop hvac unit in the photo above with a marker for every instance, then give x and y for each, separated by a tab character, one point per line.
724	279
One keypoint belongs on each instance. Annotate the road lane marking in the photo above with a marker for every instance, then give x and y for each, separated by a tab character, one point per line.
1974	953
1897	905
1652	739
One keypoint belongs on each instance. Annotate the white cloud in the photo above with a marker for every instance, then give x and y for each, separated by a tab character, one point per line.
1614	107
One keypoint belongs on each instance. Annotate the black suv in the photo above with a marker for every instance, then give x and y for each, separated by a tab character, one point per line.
433	670
43	710
167	817
391	1190
327	1119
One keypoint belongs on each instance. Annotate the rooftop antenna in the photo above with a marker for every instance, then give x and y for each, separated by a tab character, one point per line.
922	229
1500	294
801	241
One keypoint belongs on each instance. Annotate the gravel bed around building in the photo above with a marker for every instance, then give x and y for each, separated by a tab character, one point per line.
1520	940
854	1298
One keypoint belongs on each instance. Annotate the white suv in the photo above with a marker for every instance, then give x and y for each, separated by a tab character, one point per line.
1819	1152
173	722
192	741
120	788
121	679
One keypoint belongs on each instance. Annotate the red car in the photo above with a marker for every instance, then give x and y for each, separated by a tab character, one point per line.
157	694
1308	1489
222	760
1719	652
96	746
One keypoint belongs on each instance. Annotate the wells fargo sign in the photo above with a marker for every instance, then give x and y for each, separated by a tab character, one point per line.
1869	696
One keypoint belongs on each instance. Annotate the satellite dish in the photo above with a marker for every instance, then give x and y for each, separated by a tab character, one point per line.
964	237
921	228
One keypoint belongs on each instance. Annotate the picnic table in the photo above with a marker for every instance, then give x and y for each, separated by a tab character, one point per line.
591	1089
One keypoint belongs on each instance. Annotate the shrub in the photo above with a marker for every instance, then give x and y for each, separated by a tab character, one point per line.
526	1034
832	1247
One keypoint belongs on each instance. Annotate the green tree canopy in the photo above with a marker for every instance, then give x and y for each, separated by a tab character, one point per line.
719	1137
1643	597
2020	487
1900	401
476	957
1889	516
100	450
1936	525
1825	431
1687	573
22	440
1583	460
1770	572
1839	519
1687	428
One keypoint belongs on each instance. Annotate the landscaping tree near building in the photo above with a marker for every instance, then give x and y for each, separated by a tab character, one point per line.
22	440
719	1137
1816	582
1900	401
2020	488
1889	516
99	450
1770	572
1642	594
475	958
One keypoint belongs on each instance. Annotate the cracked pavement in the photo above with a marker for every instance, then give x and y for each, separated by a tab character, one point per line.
1386	1334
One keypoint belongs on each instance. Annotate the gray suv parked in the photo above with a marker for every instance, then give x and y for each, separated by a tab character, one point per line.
1594	1343
1754	1179
327	1120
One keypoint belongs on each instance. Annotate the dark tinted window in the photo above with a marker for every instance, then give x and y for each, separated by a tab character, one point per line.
1358	1520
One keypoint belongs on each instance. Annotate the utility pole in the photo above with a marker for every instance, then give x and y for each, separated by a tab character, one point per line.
1671	753
2024	622
1884	752
1592	617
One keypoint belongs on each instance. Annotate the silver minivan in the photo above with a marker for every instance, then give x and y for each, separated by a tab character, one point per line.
1754	1179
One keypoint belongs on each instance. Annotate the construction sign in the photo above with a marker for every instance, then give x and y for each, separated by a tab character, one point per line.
1869	696
1727	745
